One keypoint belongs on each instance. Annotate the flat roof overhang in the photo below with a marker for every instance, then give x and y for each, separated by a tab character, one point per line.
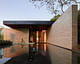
30	24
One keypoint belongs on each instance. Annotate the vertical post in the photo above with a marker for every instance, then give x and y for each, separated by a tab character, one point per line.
37	40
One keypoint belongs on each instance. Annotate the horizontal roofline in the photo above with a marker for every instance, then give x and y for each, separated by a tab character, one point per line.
24	24
27	22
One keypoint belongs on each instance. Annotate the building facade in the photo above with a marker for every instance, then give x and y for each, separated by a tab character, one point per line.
62	33
26	32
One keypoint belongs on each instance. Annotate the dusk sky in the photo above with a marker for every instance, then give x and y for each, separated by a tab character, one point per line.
21	9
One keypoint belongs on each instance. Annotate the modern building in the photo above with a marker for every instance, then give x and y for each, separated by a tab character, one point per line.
62	33
27	31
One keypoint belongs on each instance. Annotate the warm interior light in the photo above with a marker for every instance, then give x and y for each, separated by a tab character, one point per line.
37	47
45	47
37	40
36	36
45	36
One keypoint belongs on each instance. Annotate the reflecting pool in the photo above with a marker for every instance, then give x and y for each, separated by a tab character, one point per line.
38	54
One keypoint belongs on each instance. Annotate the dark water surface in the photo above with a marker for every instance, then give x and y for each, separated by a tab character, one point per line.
41	54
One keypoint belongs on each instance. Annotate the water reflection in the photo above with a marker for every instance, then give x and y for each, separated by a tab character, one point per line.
43	53
63	56
75	58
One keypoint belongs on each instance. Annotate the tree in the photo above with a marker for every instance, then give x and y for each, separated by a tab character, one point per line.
55	6
1	33
55	18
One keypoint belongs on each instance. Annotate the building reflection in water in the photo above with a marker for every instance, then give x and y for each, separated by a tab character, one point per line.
39	39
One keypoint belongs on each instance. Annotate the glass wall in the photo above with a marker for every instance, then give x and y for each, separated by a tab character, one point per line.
38	37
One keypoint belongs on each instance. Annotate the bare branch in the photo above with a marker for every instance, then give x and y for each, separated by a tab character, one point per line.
54	5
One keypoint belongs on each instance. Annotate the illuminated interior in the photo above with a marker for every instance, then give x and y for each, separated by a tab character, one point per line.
39	37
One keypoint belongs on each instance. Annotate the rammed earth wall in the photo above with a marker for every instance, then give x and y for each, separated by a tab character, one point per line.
16	36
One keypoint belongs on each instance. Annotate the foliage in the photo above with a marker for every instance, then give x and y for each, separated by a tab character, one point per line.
1	33
5	43
55	18
55	6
